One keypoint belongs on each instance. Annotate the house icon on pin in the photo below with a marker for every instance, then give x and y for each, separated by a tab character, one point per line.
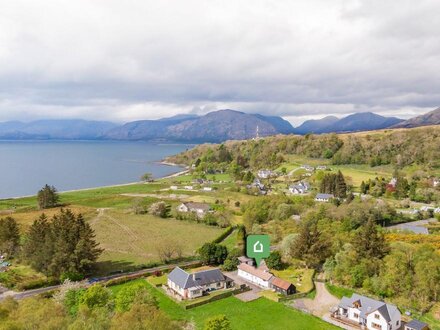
258	247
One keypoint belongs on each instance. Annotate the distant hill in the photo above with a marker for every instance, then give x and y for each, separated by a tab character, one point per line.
430	118
75	129
315	125
363	121
215	126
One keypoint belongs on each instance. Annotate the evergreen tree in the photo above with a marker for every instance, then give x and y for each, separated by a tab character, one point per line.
47	197
9	236
369	242
65	245
38	247
310	245
340	186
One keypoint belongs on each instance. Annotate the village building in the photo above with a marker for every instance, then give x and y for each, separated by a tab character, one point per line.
198	208
265	174
207	189
188	187
261	188
283	287
299	189
368	313
189	286
435	182
262	277
308	168
416	325
321	167
323	197
255	275
246	260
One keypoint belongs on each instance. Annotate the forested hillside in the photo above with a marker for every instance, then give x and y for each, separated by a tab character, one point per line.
397	147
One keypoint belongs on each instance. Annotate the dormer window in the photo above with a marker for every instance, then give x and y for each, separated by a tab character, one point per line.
377	316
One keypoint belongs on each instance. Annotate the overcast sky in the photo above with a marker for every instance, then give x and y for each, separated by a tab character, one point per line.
127	60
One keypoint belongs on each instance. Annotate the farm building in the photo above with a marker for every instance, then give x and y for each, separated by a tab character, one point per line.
282	286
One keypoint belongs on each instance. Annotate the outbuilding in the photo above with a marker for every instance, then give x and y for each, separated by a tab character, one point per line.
282	286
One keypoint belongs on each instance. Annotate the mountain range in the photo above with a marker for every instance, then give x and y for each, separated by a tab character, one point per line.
216	126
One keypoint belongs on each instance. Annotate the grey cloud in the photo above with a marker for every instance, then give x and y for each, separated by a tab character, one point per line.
131	60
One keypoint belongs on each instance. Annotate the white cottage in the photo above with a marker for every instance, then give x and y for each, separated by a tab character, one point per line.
254	275
370	313
324	197
198	208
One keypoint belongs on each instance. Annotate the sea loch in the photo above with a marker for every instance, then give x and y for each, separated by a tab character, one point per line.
25	166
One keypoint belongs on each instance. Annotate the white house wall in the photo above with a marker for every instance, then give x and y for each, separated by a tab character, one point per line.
253	279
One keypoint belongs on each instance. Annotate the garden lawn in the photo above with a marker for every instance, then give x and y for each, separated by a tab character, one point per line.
260	314
301	278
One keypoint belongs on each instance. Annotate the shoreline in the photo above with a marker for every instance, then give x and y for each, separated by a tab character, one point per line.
168	176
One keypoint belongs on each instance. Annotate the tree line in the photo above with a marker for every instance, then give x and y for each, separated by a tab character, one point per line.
63	246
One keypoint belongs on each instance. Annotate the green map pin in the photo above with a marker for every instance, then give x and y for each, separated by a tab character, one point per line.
258	247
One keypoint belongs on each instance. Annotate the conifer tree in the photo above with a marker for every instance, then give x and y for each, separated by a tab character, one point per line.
47	197
9	236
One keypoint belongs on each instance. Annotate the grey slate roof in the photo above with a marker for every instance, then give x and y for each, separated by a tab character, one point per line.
205	277
324	196
417	325
368	306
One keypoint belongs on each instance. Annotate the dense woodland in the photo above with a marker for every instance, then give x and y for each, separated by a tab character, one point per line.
397	147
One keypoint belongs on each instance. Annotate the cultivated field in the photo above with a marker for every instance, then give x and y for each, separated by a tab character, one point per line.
130	240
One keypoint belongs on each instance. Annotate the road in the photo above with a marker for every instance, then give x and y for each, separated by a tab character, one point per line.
417	227
31	293
320	305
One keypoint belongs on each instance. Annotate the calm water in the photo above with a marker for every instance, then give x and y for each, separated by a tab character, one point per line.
26	166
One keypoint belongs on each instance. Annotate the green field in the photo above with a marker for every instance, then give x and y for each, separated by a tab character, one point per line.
260	314
99	197
131	240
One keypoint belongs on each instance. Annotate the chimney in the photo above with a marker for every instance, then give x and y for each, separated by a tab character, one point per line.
194	277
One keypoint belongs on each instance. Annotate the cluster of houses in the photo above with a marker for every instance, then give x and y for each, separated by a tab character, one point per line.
258	186
193	285
356	311
299	188
372	314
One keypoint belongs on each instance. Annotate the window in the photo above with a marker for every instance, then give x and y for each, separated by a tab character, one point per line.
376	326
377	316
356	315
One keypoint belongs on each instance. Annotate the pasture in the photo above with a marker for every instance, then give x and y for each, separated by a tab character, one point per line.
131	240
